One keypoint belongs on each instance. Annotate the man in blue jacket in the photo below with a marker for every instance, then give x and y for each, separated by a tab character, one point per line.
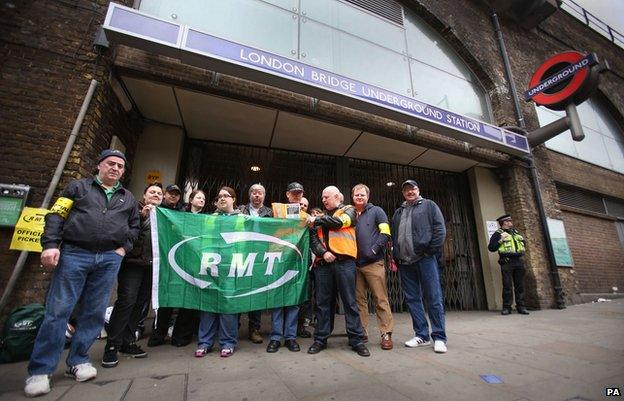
372	233
86	235
418	232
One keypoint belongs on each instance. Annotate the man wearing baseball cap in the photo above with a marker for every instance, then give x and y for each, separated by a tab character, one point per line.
87	233
510	246
173	197
418	232
284	319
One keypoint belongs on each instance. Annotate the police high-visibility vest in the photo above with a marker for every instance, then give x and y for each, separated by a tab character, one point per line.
341	241
514	243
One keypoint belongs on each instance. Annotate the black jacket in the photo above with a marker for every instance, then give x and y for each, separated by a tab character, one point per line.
141	253
428	229
370	242
264	211
94	223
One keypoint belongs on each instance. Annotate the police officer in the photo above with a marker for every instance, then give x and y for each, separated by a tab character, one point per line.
510	246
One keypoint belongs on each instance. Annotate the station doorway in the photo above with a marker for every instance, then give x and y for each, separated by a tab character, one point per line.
209	165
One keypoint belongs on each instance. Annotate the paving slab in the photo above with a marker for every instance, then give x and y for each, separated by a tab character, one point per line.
160	388
540	357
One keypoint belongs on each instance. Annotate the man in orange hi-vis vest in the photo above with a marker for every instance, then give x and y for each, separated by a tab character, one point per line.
335	243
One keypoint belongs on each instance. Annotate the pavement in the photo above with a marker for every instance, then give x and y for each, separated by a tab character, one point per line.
571	354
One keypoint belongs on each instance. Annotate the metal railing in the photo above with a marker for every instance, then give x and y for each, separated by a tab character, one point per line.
589	19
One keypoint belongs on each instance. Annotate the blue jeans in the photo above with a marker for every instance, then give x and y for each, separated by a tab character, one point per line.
226	324
284	323
329	278
80	275
421	278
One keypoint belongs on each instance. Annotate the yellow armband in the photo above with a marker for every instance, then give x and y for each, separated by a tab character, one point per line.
384	228
62	207
346	220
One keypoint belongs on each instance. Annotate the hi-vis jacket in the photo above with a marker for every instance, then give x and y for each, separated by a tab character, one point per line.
511	246
335	232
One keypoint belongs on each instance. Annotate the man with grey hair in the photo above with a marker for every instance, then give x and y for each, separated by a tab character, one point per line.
256	208
87	233
334	242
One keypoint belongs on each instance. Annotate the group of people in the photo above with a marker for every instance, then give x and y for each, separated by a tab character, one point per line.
97	232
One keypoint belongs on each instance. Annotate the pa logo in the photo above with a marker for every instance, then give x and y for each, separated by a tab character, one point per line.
272	262
613	392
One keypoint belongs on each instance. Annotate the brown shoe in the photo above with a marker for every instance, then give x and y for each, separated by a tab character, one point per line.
255	336
386	341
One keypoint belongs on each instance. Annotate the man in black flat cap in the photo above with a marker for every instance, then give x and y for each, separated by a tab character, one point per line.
87	233
510	246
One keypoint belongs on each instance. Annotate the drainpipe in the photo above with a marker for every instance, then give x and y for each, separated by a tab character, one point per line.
21	261
553	271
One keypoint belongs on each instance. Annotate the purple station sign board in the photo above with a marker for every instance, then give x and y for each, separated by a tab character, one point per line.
195	46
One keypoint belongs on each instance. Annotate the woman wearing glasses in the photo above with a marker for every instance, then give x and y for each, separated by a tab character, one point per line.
225	323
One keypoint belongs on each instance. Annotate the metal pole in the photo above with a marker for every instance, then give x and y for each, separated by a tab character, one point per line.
21	260
549	131
553	271
575	122
507	65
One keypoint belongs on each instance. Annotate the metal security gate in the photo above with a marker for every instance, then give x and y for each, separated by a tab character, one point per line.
210	165
462	277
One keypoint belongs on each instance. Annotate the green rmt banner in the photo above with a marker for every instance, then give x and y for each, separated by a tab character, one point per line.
228	264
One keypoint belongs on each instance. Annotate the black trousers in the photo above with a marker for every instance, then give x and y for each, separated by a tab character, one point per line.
513	275
186	324
133	292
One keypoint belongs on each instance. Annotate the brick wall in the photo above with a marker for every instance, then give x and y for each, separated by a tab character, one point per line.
467	27
48	61
47	65
596	251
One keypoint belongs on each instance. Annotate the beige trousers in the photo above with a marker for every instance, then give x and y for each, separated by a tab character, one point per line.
373	277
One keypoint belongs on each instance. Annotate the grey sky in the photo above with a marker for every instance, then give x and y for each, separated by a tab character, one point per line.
609	11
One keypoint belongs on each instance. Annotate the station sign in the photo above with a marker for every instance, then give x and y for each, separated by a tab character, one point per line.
129	26
565	78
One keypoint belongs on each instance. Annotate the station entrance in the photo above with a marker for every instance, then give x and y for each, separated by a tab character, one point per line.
208	165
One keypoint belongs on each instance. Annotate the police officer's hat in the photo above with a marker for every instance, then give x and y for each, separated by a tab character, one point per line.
504	217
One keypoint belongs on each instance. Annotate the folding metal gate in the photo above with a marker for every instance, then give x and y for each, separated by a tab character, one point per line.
210	165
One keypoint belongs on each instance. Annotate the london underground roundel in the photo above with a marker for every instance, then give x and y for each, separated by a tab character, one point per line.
564	78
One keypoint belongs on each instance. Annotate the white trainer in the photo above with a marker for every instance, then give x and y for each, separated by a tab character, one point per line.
37	385
417	342
82	372
439	346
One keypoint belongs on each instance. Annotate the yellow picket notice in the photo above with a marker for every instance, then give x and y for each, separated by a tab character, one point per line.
28	230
